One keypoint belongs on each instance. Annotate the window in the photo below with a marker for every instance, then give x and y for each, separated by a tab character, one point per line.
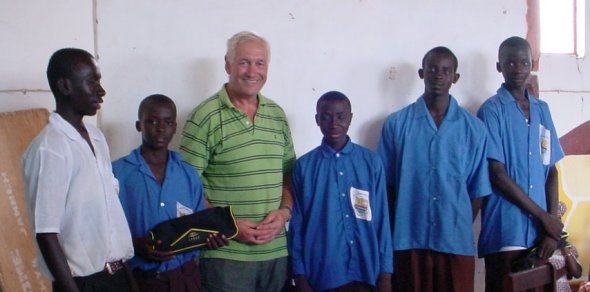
562	27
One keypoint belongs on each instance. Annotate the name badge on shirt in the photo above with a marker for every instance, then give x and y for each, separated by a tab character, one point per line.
116	185
545	140
182	210
360	204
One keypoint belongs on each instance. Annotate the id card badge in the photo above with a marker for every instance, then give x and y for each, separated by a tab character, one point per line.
360	204
545	144
182	210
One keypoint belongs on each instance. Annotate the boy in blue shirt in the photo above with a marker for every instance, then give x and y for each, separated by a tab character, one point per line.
434	156
339	235
523	149
155	186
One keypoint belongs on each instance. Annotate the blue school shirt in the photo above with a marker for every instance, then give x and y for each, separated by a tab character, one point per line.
528	151
339	231
147	203
435	174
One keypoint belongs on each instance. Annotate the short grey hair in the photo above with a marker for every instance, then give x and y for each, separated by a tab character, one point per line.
243	36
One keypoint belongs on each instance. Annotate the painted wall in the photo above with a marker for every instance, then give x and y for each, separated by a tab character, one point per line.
30	32
370	50
565	84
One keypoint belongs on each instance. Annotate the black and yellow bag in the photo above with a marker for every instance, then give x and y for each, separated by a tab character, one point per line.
188	232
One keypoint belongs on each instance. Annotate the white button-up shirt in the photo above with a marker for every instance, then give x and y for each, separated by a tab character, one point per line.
72	192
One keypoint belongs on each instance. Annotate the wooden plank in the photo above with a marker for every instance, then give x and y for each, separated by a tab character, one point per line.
540	278
18	262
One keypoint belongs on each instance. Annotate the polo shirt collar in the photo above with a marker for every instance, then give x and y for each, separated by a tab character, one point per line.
328	151
506	97
452	111
224	97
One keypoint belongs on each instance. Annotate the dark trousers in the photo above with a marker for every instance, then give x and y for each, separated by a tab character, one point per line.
221	275
102	282
422	270
185	278
353	287
498	265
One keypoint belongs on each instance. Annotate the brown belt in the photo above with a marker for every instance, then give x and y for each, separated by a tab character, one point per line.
113	267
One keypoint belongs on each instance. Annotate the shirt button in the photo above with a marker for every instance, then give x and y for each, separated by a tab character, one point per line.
351	242
343	194
434	198
530	153
346	215
162	204
337	154
341	173
531	186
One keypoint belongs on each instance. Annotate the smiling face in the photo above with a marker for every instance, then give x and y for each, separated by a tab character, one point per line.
438	73
515	65
157	124
333	116
247	69
83	91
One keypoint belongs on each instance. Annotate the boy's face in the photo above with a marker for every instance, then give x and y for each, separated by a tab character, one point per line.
333	117
83	90
157	125
515	65
438	74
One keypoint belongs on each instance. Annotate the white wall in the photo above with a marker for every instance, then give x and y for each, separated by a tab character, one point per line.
177	48
370	50
564	82
30	32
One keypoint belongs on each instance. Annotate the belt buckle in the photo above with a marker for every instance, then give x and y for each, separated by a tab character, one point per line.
113	267
109	269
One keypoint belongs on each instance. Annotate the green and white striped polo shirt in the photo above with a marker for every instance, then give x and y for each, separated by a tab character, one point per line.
241	165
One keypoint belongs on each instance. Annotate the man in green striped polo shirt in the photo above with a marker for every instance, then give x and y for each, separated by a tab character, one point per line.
240	143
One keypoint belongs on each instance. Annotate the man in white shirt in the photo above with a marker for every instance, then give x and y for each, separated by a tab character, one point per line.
71	193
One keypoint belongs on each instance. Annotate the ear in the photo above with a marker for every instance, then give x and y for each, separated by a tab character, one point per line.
498	67
63	86
317	120
457	75
138	125
227	66
421	73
